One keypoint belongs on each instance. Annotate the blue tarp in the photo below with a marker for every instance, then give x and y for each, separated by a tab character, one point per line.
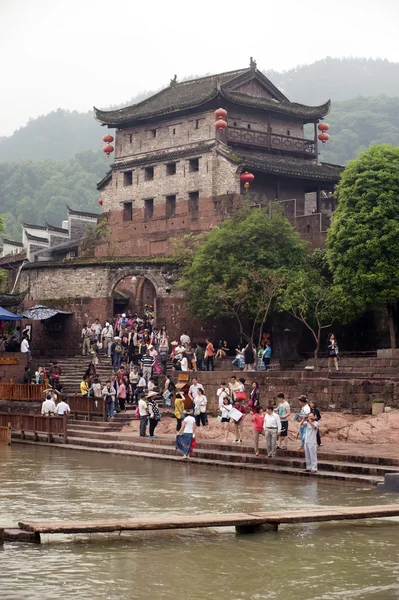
6	315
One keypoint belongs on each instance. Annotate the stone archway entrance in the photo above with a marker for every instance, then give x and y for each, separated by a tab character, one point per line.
132	293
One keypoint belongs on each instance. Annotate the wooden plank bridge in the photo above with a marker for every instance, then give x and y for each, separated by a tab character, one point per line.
243	522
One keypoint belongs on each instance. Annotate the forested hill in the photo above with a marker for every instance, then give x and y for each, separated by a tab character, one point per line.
338	79
57	159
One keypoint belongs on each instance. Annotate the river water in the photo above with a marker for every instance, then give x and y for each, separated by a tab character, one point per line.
302	562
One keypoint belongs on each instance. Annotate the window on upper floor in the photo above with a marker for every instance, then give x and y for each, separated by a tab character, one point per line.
148	173
170	206
127	178
131	138
171	169
153	133
288	131
127	211
249	126
197	123
193	203
148	208
193	165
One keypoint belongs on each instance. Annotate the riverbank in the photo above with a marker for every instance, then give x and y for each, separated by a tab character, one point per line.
338	461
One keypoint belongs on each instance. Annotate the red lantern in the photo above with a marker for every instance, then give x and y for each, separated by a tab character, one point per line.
220	113
108	138
220	125
247	178
108	149
101	202
323	127
323	137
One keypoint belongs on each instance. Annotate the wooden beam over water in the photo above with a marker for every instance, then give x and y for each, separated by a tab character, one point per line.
244	522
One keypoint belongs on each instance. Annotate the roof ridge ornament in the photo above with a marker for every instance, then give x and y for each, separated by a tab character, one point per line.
174	80
252	64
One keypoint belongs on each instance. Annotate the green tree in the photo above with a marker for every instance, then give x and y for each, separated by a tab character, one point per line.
237	269
363	242
309	296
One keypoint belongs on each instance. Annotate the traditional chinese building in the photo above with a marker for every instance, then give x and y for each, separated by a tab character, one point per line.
175	173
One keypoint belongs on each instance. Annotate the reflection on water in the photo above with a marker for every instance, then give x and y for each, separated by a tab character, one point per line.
309	562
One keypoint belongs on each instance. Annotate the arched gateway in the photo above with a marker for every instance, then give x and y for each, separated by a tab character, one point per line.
90	290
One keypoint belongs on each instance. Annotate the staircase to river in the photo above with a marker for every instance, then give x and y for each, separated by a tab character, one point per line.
73	369
108	438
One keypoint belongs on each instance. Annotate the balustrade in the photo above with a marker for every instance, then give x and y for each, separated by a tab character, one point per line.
274	141
35	424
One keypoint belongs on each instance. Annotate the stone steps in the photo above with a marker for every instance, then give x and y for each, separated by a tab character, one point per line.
170	455
281	459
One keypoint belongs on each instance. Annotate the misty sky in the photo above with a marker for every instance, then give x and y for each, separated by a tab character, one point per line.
75	54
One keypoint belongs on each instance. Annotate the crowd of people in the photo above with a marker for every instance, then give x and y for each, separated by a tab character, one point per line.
234	406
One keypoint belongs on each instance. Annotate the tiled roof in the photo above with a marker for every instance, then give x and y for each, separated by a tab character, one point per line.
288	108
79	213
34	238
177	96
165	155
56	229
40	227
107	177
197	92
289	166
12	243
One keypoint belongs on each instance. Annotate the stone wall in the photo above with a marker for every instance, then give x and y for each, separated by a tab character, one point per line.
14	372
170	133
349	395
86	292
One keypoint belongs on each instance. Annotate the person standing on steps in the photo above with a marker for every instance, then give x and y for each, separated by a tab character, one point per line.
143	414
225	408
107	335
179	410
283	410
317	416
272	425
311	426
200	403
332	350
267	356
122	393
258	420
305	410
84	386
108	394
147	363
186	434
254	397
209	355
86	344
154	414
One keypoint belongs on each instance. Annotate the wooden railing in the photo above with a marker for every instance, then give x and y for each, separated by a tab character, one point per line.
272	141
87	406
5	435
36	424
22	391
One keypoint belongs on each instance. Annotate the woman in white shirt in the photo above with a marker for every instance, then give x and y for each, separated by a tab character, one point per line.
225	409
200	402
186	434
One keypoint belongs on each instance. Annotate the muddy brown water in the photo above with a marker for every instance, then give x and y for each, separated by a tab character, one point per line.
327	561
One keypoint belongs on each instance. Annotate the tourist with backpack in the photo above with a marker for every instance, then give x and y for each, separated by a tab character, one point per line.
108	394
116	354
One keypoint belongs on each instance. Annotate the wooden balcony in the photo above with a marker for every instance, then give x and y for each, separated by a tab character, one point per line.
273	141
